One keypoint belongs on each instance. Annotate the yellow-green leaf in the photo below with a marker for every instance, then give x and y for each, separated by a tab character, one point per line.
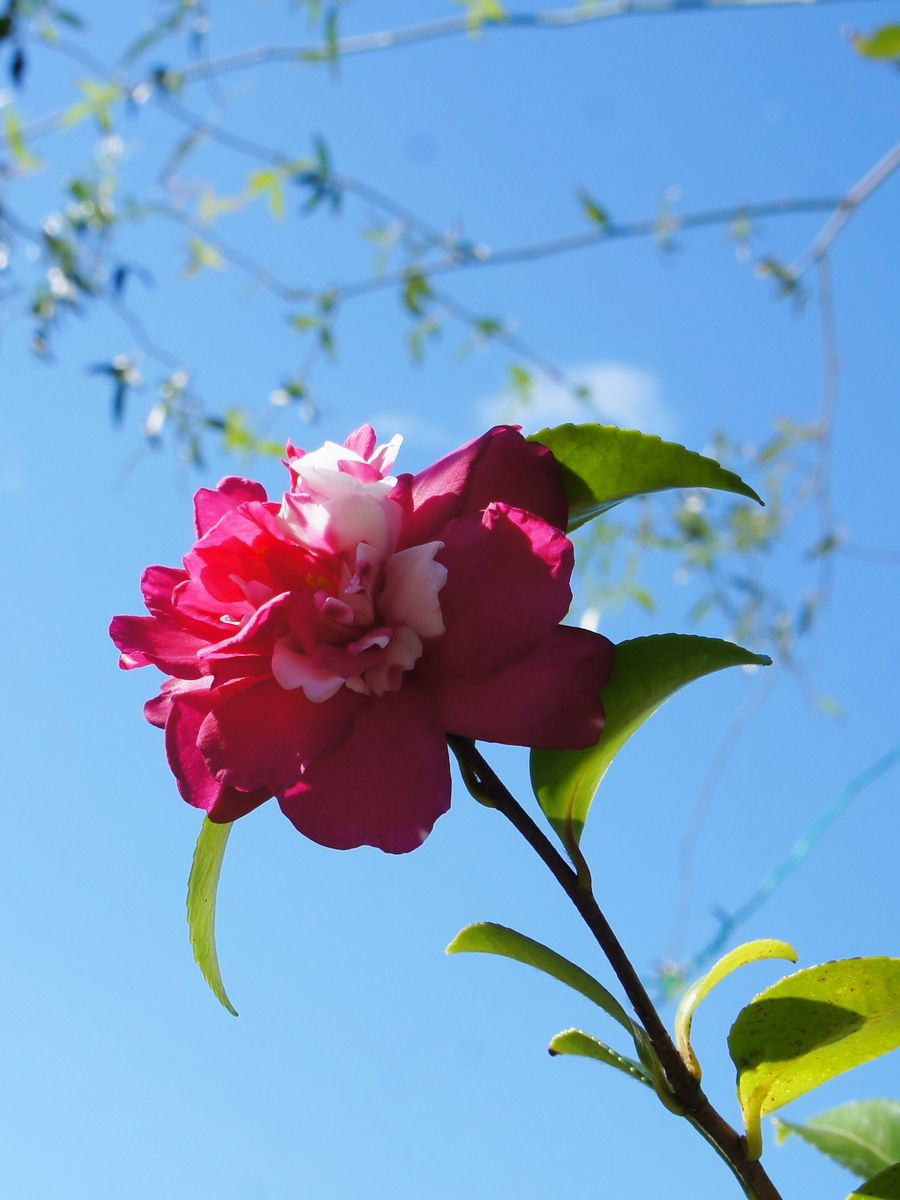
25	160
697	992
486	937
810	1027
646	672
203	886
883	44
885	1186
269	183
576	1041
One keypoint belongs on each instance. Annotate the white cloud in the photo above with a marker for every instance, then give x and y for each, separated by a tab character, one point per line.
619	395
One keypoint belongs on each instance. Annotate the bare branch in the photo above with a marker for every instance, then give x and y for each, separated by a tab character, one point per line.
448	27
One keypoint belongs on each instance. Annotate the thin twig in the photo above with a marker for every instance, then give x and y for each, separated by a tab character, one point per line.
448	27
857	195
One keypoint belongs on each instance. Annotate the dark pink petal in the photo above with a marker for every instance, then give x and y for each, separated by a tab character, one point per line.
195	781
157	710
499	466
210	505
157	586
386	785
258	635
507	585
258	735
157	640
549	700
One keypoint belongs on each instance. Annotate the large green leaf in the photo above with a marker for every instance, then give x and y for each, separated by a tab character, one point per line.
576	1041
602	465
646	672
486	937
885	1186
740	956
809	1027
863	1136
203	886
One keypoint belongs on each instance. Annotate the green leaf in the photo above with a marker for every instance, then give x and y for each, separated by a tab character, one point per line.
863	1136
602	465
885	1186
203	256
25	160
576	1041
592	210
99	100
269	183
486	937
884	43
646	672
810	1027
203	886
697	992
417	293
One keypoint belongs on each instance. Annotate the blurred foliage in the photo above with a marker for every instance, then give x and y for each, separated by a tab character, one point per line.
60	264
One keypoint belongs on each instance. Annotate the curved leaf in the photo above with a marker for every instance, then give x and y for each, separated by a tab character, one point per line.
883	44
863	1136
646	672
698	991
203	886
576	1041
885	1186
602	465
486	937
808	1028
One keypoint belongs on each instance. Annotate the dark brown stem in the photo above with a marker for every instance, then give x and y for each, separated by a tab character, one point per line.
488	788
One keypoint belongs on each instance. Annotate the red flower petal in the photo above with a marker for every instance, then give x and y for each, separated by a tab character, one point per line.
386	785
499	466
257	735
549	700
507	584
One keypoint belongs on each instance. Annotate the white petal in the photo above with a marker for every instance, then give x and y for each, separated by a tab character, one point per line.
412	580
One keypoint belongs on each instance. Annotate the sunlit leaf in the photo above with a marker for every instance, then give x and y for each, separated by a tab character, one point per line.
203	256
646	672
575	1041
25	160
98	102
592	210
863	1136
269	183
602	465
884	43
739	957
203	886
486	937
885	1186
810	1027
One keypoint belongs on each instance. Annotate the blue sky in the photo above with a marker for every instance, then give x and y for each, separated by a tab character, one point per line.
365	1064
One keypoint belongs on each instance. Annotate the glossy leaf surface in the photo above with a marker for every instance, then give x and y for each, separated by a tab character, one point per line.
602	465
885	1186
486	937
739	957
646	672
576	1041
810	1027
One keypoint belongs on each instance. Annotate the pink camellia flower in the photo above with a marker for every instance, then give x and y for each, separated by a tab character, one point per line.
319	649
